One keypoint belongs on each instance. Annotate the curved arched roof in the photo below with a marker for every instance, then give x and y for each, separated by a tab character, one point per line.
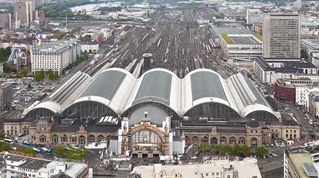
157	85
246	95
203	86
52	106
111	87
106	84
120	91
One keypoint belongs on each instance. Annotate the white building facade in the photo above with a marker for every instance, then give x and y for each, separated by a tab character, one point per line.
89	47
22	166
54	56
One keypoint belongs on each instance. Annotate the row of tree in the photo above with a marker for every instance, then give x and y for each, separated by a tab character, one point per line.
238	150
38	76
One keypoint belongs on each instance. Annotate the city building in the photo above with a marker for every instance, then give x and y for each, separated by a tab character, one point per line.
301	160
258	28
308	91
314	104
310	47
24	13
284	91
89	47
216	168
15	165
292	90
155	114
253	16
281	36
266	67
54	55
5	20
17	58
41	18
241	46
6	94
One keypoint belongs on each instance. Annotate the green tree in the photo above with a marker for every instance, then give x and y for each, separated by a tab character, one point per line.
5	147
261	151
2	135
26	150
245	150
6	67
39	75
236	149
24	71
59	150
228	149
202	147
5	53
212	147
220	148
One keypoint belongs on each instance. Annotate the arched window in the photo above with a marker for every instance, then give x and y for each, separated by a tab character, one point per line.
195	140
241	141
81	140
91	139
232	140
214	141
64	138
146	136
55	139
223	140
253	142
43	139
204	140
100	138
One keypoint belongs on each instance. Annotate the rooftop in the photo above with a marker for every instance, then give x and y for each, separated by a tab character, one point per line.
298	159
284	65
197	170
218	31
242	39
88	124
54	46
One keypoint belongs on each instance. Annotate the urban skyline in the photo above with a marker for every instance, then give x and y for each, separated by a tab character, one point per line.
152	89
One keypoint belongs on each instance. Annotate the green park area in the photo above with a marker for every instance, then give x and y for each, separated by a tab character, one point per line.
70	152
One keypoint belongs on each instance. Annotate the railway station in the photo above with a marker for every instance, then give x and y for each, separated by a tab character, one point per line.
155	114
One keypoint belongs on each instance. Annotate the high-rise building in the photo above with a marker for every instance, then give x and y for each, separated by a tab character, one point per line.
253	16
23	12
5	20
6	93
41	18
281	36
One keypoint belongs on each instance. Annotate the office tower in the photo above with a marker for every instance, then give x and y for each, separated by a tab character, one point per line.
23	12
5	20
6	93
281	36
